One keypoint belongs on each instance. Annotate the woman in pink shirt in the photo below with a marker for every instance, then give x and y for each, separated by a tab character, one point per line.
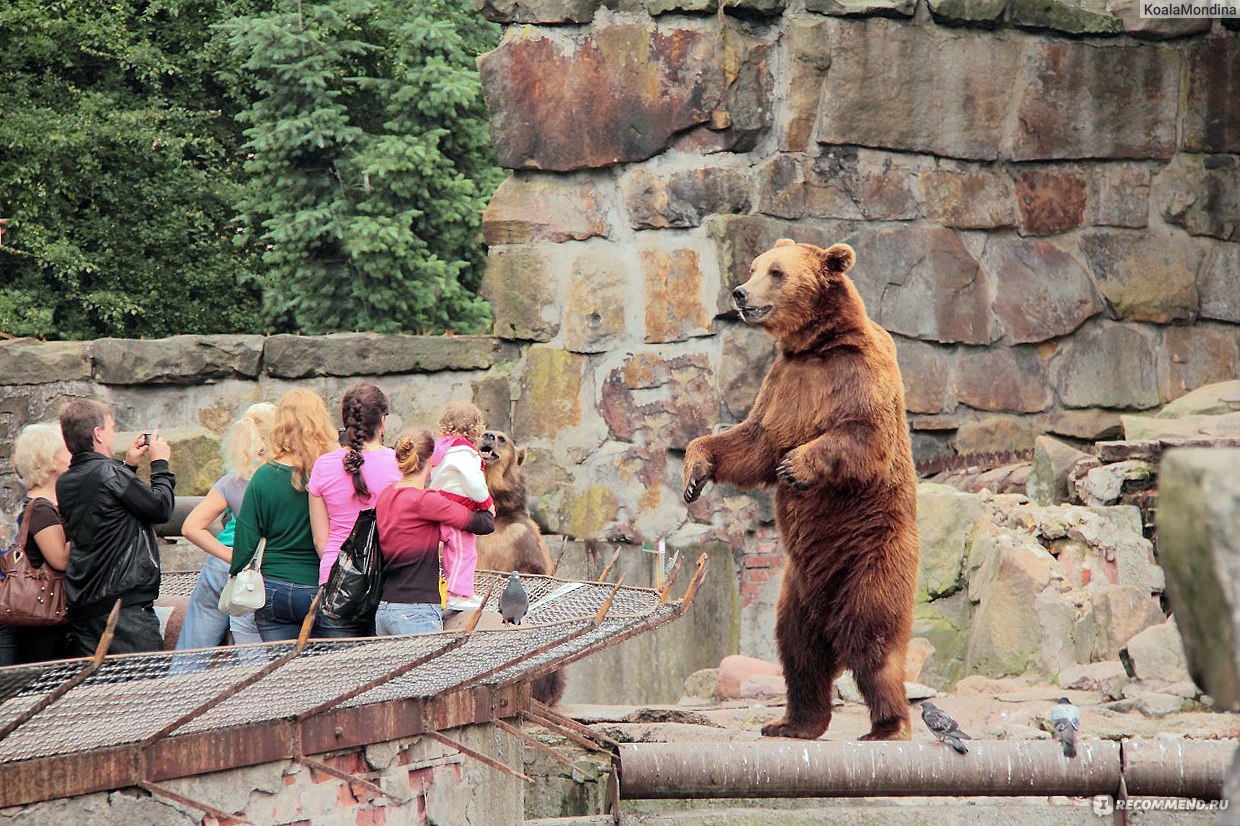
409	518
347	481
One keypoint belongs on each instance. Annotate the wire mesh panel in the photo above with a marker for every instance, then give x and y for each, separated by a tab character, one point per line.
134	698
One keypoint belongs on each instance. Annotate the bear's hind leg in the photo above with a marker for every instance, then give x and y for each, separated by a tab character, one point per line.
809	674
883	690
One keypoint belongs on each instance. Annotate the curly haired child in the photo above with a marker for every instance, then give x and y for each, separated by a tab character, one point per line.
457	471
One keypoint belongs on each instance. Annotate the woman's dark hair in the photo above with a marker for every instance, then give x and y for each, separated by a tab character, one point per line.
361	410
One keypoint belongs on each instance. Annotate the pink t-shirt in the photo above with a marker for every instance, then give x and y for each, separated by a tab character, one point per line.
332	483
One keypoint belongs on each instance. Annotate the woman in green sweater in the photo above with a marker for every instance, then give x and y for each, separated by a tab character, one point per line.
277	507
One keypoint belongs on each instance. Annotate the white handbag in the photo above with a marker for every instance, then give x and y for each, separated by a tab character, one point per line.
245	592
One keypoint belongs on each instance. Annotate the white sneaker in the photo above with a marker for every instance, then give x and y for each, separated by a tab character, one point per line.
456	603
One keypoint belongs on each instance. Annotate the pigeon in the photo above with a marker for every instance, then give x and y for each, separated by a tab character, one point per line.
944	727
1066	720
514	602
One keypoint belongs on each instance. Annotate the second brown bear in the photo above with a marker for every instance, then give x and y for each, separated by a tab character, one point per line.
828	429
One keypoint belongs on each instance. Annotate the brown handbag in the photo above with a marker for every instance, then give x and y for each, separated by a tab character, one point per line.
30	595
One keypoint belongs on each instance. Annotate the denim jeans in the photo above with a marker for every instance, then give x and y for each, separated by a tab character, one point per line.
205	624
407	618
285	610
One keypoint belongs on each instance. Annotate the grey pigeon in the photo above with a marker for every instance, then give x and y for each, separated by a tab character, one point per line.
1066	720
944	727
514	602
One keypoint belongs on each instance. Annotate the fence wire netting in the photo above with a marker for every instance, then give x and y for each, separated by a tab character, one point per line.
132	698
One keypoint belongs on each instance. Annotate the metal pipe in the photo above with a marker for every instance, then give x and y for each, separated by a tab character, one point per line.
784	768
1177	768
180	509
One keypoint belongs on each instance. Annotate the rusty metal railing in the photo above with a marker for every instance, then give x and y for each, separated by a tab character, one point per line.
77	726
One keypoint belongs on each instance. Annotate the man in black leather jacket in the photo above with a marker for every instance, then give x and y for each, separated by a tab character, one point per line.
109	516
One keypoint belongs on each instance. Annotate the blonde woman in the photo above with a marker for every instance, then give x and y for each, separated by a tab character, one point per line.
276	507
246	446
40	457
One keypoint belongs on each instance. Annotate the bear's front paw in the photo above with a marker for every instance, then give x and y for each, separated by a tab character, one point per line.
696	478
788	476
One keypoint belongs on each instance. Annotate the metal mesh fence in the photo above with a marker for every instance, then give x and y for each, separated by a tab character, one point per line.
131	698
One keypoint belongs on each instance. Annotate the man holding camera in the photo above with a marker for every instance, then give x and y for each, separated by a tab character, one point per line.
109	516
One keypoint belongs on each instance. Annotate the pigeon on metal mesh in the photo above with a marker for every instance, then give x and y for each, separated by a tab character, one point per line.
1066	720
514	602
944	727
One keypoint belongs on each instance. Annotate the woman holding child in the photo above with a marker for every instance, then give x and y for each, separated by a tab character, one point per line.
409	519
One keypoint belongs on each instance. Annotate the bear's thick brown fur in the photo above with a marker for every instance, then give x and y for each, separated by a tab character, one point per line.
828	429
517	544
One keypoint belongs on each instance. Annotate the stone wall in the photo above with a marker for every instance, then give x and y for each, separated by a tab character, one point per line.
1043	196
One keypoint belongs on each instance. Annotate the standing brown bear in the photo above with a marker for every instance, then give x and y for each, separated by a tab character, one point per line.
828	430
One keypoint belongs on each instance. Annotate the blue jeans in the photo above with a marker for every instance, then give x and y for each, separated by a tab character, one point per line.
205	624
287	604
407	618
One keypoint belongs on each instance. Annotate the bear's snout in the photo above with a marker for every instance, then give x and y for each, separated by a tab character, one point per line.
739	295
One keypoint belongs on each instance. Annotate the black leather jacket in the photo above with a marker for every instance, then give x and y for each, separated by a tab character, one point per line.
109	515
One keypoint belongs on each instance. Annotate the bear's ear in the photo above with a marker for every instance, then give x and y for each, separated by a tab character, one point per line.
785	242
520	457
838	258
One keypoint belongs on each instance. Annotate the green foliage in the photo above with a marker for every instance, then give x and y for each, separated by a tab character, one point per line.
114	176
369	162
138	206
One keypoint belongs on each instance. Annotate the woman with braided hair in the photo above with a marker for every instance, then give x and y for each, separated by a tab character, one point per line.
345	482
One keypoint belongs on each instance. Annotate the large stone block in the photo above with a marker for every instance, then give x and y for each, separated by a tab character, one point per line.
1082	99
1142	276
1070	16
923	283
1201	193
1048	473
926	370
176	360
538	11
1108	365
1156	28
781	188
993	434
551	383
917	88
1002	640
541	208
1118	195
675	309
862	184
1219	287
1012	379
1195	356
30	361
599	291
523	285
195	461
1213	95
1041	292
1121	612
946	521
966	197
747	353
1050	202
621	92
651	399
862	8
684	197
809	57
967	11
371	354
944	623
1199	547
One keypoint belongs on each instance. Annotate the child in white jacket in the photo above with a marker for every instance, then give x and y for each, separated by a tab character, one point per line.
457	471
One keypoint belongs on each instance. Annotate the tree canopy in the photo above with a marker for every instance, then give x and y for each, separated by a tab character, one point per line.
196	166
